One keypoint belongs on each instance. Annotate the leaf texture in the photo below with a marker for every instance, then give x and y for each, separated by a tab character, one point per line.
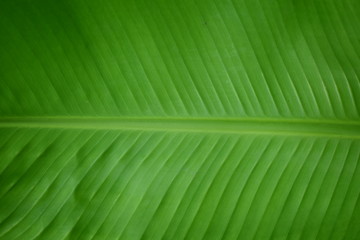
208	119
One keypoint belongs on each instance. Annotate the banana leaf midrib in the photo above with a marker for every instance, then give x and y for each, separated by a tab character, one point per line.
298	127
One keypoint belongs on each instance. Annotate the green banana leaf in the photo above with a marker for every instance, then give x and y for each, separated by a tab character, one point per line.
179	119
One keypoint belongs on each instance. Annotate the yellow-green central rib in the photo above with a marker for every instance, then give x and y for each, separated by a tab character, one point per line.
342	129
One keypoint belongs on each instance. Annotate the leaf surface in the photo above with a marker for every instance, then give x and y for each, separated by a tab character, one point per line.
207	119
